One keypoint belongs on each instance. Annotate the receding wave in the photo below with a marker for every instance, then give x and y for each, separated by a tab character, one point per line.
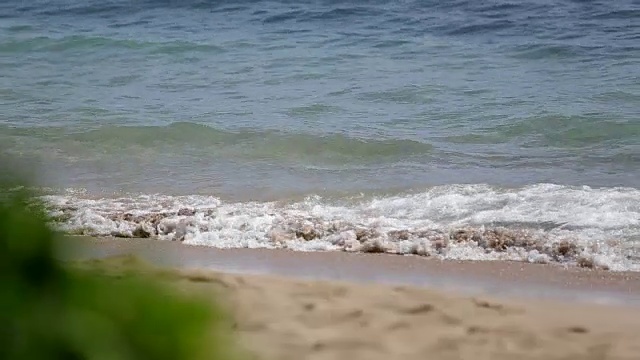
541	223
242	143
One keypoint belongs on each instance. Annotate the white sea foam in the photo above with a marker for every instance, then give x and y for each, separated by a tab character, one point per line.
540	223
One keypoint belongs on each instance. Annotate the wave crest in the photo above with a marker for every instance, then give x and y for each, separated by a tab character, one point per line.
246	144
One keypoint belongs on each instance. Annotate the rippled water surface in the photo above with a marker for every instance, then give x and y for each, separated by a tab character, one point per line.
279	96
272	100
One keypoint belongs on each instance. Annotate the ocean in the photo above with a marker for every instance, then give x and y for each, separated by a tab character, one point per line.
481	130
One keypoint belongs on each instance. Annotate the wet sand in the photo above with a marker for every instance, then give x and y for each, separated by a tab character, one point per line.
506	279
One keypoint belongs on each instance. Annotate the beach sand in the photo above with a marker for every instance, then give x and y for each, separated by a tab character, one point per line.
281	318
289	317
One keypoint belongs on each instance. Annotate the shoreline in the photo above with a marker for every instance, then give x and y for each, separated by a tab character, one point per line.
516	280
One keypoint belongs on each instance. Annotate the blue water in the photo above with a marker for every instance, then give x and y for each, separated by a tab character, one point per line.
273	98
486	130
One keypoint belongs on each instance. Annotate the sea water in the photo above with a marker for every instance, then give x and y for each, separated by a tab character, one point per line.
457	129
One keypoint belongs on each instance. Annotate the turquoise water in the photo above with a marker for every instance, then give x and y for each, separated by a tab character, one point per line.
301	97
281	100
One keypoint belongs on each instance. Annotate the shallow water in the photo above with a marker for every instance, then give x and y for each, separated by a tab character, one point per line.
279	100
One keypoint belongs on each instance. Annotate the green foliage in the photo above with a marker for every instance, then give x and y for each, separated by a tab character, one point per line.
49	311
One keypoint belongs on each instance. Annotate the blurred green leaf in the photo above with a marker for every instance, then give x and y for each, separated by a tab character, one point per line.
50	311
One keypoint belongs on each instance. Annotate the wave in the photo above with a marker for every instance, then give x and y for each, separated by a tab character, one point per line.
252	144
77	42
602	141
570	132
543	223
111	8
551	51
481	28
326	14
115	8
617	14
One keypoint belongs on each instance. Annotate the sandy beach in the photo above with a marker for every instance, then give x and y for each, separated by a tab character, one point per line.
280	318
296	317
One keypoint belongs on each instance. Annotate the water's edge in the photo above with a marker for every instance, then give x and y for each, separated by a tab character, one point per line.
503	279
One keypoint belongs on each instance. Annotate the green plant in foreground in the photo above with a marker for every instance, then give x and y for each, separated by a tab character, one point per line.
49	311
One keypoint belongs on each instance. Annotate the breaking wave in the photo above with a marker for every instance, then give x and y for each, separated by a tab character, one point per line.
542	223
